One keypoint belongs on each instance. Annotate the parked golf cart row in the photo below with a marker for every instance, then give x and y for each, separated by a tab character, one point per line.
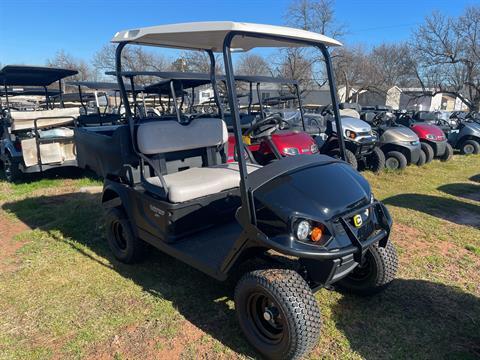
240	194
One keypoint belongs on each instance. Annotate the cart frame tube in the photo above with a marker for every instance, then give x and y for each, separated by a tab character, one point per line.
245	190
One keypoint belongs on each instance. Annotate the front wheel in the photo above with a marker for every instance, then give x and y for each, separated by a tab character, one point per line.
428	150
395	160
278	313
447	155
422	159
376	160
375	273
470	147
349	157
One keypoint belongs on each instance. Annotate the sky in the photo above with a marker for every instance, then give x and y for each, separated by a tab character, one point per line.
32	31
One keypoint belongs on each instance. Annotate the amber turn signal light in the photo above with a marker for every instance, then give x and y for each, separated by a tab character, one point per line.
316	233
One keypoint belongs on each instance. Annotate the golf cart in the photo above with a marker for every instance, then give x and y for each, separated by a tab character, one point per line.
311	221
38	140
400	145
432	139
463	132
361	144
267	132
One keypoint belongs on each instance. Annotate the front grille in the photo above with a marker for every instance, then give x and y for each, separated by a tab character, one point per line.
365	231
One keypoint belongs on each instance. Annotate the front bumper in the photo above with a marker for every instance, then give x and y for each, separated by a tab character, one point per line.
361	146
439	147
345	239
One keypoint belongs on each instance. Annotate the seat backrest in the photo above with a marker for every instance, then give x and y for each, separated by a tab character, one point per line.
22	120
160	137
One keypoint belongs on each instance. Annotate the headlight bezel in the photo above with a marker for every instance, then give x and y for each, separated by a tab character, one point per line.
291	151
312	227
352	135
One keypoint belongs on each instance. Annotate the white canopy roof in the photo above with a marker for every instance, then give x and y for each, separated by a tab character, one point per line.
210	36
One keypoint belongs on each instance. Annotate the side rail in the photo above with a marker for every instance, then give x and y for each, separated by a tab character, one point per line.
37	134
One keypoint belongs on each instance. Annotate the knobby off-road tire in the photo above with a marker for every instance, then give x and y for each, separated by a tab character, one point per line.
428	150
11	169
120	237
278	313
349	156
422	160
376	160
395	160
470	147
375	273
447	155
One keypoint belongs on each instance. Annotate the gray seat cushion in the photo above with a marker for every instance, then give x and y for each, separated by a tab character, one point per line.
197	182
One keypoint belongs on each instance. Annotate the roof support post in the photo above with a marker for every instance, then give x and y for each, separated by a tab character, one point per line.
174	99
260	103
334	97
247	204
213	79
300	105
60	88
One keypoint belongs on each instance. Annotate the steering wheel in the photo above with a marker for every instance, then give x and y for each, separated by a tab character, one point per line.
265	127
327	110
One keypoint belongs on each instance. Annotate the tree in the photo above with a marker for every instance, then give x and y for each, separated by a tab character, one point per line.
315	15
448	51
134	58
252	64
295	65
196	61
67	61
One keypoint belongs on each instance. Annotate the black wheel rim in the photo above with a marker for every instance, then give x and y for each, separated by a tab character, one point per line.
364	271
392	163
268	322
468	149
7	168
119	236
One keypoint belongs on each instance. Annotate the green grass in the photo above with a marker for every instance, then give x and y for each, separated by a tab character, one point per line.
66	297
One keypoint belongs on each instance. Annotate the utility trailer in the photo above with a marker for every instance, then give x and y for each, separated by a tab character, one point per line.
34	140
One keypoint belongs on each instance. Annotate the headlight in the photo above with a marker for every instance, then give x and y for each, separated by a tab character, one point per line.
316	233
431	137
350	134
302	230
314	148
414	143
290	151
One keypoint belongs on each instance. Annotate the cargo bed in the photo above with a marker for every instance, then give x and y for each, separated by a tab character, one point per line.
104	149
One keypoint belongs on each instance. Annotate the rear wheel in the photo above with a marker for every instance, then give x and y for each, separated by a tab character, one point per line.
350	157
470	147
428	150
375	273
395	160
447	155
11	169
278	313
122	242
422	159
376	160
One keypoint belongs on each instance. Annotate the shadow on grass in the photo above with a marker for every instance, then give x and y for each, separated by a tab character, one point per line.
410	316
464	190
57	173
412	319
475	178
456	211
199	298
